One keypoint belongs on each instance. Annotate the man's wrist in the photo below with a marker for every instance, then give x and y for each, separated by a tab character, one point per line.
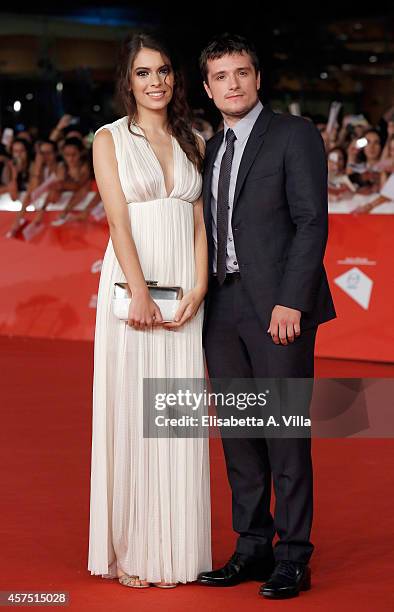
288	307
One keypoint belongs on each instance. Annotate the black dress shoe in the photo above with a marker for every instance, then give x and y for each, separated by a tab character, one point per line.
238	569
287	580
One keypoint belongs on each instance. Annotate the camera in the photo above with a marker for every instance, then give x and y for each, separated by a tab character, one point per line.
361	143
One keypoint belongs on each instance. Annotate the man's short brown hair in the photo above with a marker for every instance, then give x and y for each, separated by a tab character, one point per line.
227	44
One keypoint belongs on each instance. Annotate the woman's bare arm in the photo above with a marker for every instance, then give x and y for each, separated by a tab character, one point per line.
200	236
200	248
106	171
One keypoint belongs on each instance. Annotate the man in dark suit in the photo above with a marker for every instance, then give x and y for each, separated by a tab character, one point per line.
265	208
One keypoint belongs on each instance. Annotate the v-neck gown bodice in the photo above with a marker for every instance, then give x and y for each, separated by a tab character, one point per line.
149	498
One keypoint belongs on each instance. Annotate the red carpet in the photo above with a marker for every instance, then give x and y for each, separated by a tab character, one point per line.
45	463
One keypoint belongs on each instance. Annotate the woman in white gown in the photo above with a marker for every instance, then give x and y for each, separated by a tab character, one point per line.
149	499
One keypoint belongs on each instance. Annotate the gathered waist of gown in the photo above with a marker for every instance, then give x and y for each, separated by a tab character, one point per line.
160	200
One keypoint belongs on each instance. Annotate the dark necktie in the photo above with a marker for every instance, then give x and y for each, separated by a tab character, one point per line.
222	205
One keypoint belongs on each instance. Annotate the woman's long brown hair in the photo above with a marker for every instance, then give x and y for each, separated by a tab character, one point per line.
178	111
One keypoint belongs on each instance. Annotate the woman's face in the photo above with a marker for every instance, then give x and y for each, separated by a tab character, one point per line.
48	153
336	162
151	80
19	152
373	148
71	155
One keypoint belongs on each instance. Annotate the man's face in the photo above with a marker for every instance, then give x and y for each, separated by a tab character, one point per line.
232	83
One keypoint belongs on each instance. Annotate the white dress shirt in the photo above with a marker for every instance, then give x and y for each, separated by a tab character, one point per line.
242	130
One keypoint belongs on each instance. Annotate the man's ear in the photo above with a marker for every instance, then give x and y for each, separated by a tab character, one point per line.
207	89
258	80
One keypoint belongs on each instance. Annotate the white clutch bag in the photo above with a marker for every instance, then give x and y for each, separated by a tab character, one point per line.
167	299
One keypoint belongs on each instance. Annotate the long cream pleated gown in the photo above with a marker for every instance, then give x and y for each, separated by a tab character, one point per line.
150	498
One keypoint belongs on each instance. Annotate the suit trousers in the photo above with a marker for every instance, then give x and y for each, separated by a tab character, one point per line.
236	346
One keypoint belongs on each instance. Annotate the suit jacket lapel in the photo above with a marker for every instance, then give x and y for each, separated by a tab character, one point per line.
253	146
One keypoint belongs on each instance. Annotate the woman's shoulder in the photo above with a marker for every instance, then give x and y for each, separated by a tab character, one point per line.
114	127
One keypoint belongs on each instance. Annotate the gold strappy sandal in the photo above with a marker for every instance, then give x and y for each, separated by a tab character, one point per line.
130	581
165	585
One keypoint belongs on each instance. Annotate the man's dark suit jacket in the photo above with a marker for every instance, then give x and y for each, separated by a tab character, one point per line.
280	218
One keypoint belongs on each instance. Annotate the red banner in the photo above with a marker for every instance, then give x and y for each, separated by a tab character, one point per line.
49	283
359	263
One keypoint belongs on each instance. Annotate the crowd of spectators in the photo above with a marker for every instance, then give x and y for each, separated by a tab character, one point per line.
40	171
360	160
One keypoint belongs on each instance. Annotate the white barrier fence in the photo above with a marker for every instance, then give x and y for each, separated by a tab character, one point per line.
344	207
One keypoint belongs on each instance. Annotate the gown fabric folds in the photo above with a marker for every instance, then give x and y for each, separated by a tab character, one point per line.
149	498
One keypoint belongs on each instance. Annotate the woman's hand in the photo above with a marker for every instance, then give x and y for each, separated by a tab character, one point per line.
364	209
143	311
63	122
190	303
